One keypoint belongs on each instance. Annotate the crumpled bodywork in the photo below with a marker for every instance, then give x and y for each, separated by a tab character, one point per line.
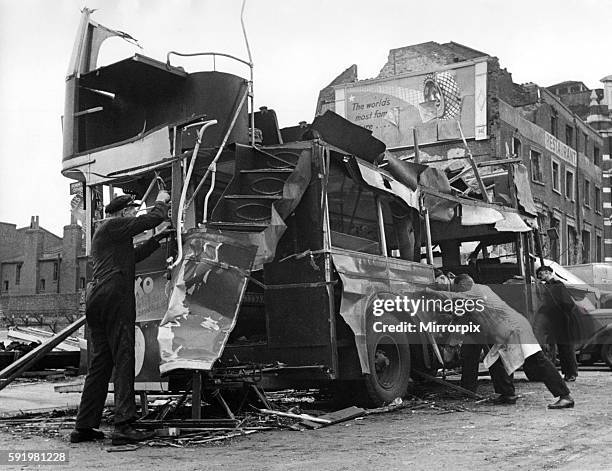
208	288
365	277
209	283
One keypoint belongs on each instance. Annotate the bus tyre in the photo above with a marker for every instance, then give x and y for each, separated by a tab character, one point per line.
389	360
606	352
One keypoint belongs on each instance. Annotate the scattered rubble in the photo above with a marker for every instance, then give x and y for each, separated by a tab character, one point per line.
284	410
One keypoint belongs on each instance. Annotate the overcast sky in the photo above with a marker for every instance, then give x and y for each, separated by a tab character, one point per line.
298	47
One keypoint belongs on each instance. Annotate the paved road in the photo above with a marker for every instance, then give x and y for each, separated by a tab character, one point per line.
526	436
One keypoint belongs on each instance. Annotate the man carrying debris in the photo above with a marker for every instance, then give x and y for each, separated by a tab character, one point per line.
111	317
557	310
514	345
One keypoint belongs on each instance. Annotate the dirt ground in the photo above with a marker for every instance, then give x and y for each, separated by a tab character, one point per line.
467	435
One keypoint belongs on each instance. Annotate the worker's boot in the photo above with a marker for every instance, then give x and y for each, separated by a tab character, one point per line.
79	435
125	434
564	402
506	400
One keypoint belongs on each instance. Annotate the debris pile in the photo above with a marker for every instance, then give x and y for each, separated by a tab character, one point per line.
292	410
48	423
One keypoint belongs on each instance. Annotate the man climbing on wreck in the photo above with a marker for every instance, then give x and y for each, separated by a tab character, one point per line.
111	317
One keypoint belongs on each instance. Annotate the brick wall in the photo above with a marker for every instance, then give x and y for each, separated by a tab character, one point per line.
39	309
61	265
425	56
327	96
46	271
11	244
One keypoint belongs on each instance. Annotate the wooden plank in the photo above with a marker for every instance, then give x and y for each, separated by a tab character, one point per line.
295	416
11	372
336	417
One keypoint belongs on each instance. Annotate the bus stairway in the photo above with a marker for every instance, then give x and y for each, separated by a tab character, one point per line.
258	184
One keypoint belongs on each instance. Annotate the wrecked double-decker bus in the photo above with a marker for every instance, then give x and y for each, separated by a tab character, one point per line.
282	244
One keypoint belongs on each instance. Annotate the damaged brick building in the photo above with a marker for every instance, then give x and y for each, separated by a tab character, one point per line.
41	275
595	108
424	91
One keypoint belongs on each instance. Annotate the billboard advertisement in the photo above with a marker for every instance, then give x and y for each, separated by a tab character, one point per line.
435	104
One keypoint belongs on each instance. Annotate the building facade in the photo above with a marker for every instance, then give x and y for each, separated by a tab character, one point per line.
595	108
442	95
42	276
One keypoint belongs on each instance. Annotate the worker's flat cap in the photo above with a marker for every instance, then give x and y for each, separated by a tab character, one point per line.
120	202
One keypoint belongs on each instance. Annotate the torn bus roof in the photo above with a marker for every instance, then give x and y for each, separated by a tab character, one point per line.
434	191
137	76
384	181
352	138
423	186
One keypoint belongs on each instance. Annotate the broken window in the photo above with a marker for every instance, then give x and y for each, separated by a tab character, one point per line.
555	248
556	176
571	245
486	262
402	229
569	135
353	214
536	167
586	246
569	185
516	147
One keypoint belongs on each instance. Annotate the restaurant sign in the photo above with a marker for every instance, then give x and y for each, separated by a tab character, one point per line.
557	147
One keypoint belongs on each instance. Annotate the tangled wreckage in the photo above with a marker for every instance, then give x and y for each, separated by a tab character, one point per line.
283	239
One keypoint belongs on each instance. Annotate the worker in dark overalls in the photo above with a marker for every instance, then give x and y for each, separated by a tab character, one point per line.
111	317
557	308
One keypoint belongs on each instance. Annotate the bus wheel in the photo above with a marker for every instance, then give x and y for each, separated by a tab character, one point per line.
389	359
606	352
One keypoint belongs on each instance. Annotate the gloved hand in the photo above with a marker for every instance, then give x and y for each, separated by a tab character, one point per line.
163	196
